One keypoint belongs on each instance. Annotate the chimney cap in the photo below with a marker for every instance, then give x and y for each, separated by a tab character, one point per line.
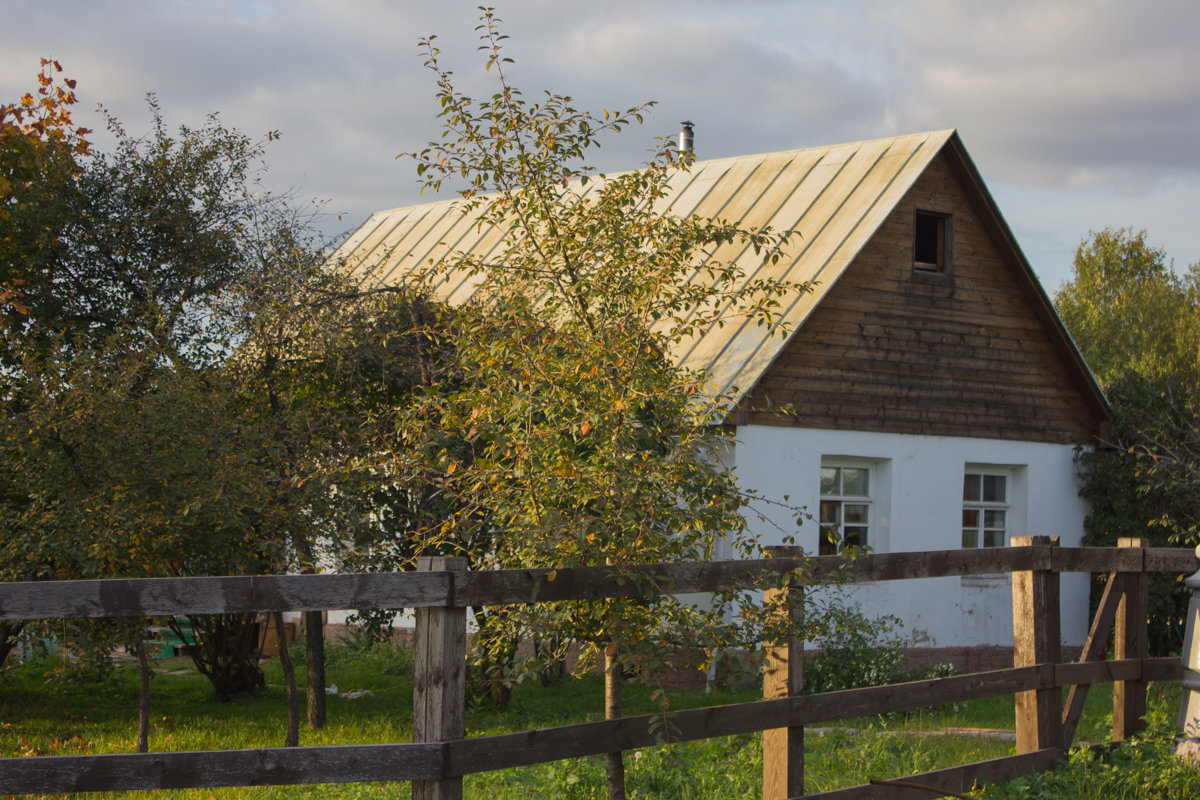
687	139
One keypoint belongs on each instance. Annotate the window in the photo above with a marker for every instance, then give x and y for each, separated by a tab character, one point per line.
930	242
985	516
845	508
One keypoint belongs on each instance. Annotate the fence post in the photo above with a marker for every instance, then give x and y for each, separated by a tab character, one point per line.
1037	640
439	679
1189	702
783	676
1130	641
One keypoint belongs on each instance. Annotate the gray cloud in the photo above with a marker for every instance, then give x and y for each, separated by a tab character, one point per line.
1076	108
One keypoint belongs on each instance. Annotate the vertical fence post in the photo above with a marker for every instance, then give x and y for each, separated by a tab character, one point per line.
783	676
1189	702
439	679
1037	640
1130	641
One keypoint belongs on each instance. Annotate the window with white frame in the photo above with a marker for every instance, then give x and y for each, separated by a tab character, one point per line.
845	514
986	507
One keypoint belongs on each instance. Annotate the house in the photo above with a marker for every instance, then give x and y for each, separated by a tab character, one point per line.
927	395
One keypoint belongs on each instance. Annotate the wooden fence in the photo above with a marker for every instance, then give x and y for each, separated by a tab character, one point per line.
442	590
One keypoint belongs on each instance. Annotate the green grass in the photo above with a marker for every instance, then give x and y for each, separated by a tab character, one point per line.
43	716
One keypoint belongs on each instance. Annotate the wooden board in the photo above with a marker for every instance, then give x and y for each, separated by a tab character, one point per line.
184	770
219	595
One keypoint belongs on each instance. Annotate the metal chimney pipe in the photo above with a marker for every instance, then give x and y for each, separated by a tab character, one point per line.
686	138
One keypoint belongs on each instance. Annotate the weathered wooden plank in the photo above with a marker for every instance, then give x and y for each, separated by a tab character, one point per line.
783	677
503	587
1172	559
1037	641
1166	668
485	753
217	595
955	779
149	597
209	769
1130	641
936	563
1085	673
481	754
439	679
1093	648
1096	559
851	703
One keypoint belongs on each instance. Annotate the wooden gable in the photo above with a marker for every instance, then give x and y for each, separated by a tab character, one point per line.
976	351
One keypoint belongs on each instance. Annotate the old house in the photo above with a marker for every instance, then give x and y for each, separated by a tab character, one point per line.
927	396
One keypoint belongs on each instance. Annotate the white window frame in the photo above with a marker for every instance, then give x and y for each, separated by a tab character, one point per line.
1013	504
875	477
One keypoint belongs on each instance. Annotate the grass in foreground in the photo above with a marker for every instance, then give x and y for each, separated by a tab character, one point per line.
54	718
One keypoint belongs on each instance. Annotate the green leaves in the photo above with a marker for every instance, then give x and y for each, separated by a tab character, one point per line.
1129	311
575	440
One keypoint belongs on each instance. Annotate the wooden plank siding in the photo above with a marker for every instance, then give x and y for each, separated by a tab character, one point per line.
968	353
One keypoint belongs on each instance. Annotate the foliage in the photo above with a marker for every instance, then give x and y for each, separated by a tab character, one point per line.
39	146
1141	769
858	651
1128	309
572	439
1137	323
1147	484
186	388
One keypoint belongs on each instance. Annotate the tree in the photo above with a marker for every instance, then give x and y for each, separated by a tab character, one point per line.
1138	324
39	146
572	438
1128	310
186	388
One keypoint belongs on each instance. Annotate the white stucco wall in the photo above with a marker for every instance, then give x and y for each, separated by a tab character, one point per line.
917	505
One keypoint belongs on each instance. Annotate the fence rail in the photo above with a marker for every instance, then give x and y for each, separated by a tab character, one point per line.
153	597
442	754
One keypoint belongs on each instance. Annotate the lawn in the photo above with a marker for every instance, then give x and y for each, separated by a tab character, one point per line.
40	715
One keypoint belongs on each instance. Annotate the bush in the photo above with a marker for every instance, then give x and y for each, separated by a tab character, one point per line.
1143	768
861	651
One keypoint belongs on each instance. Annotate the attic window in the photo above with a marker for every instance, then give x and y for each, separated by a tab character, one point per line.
930	242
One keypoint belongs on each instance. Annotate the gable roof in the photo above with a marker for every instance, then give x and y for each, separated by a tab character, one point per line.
834	197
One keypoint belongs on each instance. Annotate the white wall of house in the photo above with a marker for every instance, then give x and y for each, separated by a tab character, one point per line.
916	503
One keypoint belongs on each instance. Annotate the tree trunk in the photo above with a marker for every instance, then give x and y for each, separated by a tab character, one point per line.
225	651
9	631
289	680
614	763
314	648
314	645
143	732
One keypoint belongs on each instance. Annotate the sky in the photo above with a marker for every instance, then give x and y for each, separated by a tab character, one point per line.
1079	114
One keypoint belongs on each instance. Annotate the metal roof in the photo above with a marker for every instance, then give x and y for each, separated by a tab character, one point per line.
833	197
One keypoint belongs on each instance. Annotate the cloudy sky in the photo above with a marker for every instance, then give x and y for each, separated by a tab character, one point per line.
1080	114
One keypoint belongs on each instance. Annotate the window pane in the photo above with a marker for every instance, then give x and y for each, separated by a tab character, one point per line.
971	487
829	480
854	482
993	518
993	539
856	536
993	488
855	513
970	538
970	518
829	512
